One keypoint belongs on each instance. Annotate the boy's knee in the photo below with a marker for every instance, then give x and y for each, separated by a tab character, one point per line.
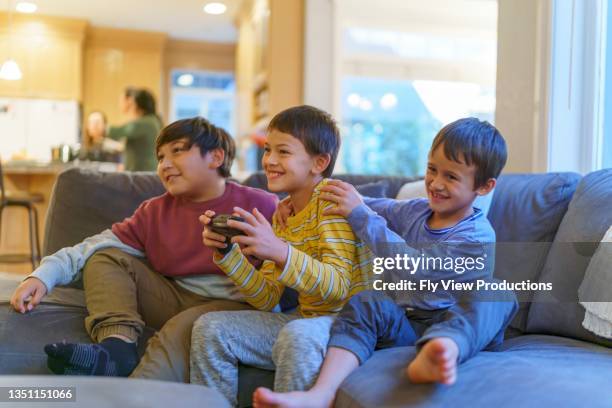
104	256
300	338
208	327
106	253
368	301
297	331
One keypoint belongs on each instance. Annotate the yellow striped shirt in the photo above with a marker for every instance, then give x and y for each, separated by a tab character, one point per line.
326	263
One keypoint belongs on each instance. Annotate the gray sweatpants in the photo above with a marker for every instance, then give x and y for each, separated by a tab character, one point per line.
293	346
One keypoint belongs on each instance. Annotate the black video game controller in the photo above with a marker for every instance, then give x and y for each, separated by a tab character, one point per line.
218	224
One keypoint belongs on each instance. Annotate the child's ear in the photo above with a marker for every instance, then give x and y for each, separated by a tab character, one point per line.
321	162
217	156
486	187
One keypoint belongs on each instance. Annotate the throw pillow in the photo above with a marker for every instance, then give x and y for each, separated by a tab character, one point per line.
376	189
595	292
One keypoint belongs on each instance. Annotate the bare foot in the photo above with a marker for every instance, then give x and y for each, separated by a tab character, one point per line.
266	398
435	362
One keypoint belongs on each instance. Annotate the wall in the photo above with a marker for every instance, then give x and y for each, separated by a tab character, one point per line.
269	60
320	64
285	54
523	60
115	59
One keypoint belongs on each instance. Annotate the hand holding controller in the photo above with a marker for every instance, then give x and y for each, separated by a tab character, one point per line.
219	225
217	234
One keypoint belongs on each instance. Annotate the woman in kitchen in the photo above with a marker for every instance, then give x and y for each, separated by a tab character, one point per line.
93	145
137	136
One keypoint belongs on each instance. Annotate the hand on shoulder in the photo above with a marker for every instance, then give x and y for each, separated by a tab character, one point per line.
343	194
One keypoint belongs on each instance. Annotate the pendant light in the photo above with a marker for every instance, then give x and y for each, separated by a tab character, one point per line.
10	70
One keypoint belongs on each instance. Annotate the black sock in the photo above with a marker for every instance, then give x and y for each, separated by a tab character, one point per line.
112	357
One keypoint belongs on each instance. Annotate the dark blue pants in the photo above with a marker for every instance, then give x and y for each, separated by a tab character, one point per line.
372	320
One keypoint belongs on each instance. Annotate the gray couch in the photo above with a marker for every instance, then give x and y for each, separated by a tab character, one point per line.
548	227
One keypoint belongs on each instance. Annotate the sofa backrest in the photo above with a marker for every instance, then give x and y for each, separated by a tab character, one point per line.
391	184
84	202
588	217
526	212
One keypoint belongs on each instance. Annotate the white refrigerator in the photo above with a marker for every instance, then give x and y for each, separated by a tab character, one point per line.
29	128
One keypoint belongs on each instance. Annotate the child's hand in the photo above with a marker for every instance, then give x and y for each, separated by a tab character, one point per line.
209	238
33	289
283	211
343	194
259	239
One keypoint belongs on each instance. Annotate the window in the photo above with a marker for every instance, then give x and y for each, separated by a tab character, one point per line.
606	148
206	94
579	135
399	86
388	125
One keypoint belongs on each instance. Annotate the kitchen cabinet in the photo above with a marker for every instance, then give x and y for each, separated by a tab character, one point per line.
49	51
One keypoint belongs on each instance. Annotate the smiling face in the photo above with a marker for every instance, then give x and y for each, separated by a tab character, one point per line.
185	173
96	126
288	166
450	188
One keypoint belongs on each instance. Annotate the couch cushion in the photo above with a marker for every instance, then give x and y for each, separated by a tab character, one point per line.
23	336
589	215
541	371
85	202
376	189
249	379
525	212
60	317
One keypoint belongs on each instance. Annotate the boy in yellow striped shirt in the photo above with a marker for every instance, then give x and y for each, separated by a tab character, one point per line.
317	255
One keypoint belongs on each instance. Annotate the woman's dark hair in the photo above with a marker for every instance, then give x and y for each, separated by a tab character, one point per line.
205	135
145	101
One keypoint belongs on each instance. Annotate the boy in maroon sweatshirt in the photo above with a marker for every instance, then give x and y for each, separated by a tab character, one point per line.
151	268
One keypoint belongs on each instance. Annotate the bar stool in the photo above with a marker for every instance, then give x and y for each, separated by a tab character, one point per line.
27	201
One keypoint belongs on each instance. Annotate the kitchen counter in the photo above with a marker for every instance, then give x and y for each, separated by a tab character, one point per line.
33	177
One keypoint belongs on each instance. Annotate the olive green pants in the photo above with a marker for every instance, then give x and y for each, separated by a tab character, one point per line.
123	294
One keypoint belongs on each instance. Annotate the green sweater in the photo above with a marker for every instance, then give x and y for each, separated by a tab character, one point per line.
139	135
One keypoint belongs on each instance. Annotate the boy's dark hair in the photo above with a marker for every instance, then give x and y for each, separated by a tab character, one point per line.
477	142
205	135
316	129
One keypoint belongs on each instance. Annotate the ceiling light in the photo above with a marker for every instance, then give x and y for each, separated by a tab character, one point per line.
26	7
215	8
10	71
185	80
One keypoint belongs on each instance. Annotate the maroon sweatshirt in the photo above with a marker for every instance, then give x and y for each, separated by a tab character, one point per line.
168	231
